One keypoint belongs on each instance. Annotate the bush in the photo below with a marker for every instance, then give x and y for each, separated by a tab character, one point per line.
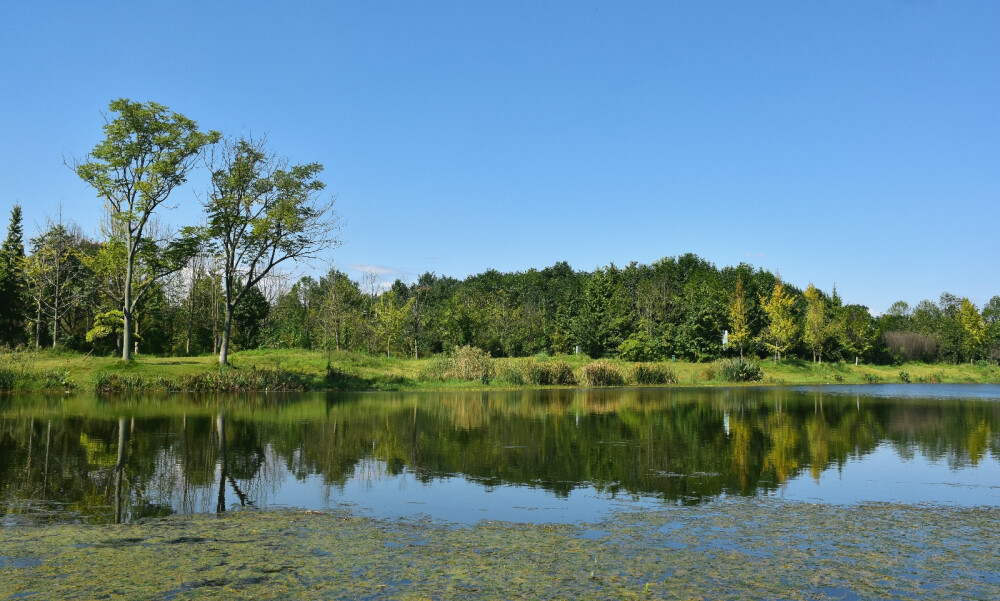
602	373
904	376
653	373
739	370
872	378
639	347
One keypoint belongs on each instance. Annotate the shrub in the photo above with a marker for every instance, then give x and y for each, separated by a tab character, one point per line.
653	373
871	378
739	370
602	373
640	347
904	376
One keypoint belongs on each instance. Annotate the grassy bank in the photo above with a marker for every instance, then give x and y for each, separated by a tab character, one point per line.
731	549
465	369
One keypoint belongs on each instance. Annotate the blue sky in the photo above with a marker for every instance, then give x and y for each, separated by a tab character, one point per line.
854	143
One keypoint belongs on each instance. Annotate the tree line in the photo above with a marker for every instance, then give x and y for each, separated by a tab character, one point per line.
216	286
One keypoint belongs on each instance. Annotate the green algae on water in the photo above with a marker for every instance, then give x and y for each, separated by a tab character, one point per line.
730	549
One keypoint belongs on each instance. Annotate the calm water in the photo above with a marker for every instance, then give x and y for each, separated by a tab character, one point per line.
537	456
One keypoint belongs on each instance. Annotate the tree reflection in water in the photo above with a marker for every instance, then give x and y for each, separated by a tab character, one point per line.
117	459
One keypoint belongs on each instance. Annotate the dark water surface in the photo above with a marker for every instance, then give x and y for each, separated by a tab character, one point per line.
533	456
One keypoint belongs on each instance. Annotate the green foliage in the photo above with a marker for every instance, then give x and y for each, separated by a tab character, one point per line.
13	284
108	323
640	347
261	213
248	319
782	328
601	373
146	153
739	336
904	376
738	370
653	373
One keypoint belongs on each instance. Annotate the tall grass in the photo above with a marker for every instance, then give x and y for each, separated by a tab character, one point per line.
601	373
653	373
534	372
467	363
738	370
18	373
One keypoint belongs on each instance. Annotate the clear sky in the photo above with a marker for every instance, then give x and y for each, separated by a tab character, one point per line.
854	143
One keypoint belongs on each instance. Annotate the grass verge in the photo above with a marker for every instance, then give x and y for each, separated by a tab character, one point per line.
272	370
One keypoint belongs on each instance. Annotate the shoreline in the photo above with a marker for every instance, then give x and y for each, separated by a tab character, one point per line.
293	370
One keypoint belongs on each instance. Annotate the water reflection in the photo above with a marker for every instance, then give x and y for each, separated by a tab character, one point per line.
120	459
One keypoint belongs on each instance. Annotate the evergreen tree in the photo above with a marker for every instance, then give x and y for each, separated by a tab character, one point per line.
13	284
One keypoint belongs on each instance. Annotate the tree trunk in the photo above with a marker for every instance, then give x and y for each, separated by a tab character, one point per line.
187	339
38	323
55	317
224	347
55	301
127	308
127	335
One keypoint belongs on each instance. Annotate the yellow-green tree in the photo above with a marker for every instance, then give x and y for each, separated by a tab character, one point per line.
781	327
738	320
390	317
816	330
973	328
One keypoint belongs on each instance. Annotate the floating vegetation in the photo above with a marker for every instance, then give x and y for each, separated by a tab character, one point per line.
732	549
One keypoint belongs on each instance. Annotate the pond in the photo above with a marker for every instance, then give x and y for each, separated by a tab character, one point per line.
525	456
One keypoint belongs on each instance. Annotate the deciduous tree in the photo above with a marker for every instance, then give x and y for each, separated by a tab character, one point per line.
738	321
261	213
147	152
973	329
781	326
816	331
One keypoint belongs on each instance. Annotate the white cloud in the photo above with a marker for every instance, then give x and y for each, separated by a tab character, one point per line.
376	269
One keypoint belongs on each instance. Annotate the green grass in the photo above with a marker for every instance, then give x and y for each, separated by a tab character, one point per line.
311	370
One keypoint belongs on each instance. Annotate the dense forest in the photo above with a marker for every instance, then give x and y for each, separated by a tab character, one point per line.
676	307
141	287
